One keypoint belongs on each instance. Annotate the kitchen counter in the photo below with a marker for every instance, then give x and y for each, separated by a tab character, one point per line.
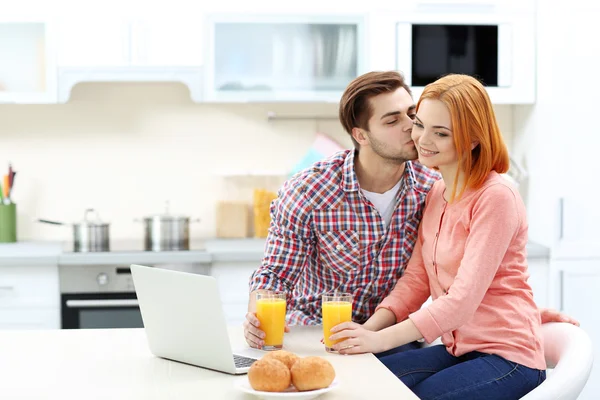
116	364
128	252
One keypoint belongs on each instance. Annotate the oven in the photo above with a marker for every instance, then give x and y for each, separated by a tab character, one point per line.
98	297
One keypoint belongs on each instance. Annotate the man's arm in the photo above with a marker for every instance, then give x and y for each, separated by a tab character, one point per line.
288	248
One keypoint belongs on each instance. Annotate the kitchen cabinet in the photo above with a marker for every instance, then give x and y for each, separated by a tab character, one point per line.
282	57
539	279
27	62
233	281
93	43
29	297
128	50
579	283
125	42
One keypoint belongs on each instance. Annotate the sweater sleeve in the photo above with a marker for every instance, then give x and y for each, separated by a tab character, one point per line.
495	221
411	290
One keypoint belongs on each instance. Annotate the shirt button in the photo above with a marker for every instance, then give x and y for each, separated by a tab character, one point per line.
339	247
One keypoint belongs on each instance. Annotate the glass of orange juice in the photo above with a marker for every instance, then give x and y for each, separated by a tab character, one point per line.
270	311
336	308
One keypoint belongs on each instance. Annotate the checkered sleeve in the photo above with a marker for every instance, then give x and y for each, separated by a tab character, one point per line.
289	243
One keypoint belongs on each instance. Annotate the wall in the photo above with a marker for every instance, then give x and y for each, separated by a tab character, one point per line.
125	149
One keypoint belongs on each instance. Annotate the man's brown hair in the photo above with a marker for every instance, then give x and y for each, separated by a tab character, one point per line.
355	107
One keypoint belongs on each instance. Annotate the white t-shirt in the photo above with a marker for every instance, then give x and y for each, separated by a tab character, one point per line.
385	203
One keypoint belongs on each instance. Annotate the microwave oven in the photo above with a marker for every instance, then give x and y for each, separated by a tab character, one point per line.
493	41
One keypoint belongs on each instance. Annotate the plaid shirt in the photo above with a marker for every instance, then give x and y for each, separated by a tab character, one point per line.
326	236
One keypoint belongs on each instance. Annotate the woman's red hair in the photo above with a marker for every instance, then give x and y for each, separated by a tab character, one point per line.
473	120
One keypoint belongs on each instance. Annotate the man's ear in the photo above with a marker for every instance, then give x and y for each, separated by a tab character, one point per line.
474	144
360	136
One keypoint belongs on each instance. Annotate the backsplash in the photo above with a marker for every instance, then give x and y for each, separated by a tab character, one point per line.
126	148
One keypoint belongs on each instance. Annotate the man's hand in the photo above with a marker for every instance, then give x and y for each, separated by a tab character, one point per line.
358	340
551	315
254	336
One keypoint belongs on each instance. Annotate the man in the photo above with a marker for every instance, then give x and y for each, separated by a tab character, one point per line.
349	223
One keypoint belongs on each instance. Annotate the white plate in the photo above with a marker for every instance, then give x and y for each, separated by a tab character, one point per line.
290	393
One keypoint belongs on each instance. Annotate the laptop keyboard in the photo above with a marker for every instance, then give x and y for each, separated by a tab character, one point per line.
243	362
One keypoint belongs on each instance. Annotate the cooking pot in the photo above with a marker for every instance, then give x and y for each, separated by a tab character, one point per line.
88	235
167	232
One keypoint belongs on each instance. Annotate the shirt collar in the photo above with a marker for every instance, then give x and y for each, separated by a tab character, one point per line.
350	183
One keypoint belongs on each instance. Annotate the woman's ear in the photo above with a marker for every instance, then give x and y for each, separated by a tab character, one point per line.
360	136
474	144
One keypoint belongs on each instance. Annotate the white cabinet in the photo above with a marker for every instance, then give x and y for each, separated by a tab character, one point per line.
539	279
124	42
27	62
579	296
93	43
29	297
282	57
233	280
164	43
124	50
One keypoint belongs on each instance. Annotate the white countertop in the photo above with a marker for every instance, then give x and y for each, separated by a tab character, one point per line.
210	250
116	364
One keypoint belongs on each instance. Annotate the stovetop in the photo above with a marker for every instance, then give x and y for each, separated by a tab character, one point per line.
131	246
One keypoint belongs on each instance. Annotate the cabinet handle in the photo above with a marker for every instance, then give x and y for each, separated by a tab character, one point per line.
561	306
7	288
561	216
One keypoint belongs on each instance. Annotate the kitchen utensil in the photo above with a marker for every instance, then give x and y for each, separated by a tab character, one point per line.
88	235
8	223
167	232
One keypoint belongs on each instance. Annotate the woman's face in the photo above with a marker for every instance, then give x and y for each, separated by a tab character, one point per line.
432	134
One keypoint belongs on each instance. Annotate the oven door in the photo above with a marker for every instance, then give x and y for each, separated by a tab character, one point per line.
100	311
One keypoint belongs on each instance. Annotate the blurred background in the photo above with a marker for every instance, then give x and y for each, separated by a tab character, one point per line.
190	115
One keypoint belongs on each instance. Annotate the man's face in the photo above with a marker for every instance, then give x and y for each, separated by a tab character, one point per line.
390	126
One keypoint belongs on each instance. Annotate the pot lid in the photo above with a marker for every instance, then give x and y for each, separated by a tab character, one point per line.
91	217
166	216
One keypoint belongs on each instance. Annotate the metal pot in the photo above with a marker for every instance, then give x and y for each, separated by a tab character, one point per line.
166	232
88	235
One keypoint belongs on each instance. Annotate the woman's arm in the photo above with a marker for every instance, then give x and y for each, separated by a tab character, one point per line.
496	220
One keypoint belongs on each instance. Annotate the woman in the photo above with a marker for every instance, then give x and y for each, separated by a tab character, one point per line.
470	257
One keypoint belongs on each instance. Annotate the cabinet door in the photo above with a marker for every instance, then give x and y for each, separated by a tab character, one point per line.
30	319
233	278
94	43
27	63
282	58
580	295
28	287
164	43
539	280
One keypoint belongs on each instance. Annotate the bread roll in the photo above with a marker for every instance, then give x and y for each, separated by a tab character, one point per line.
311	373
285	357
269	375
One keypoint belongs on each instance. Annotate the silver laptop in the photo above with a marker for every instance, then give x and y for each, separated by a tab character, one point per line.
184	320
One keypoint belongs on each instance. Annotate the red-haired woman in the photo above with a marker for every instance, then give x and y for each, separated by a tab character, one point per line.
470	257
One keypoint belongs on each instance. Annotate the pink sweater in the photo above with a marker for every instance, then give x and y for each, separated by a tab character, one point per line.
471	257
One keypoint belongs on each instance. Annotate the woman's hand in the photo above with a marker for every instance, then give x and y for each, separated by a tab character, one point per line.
356	339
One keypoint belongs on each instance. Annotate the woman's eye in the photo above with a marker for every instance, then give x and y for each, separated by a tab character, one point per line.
417	124
441	134
392	122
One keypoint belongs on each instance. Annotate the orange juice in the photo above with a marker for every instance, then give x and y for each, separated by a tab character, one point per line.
334	312
270	311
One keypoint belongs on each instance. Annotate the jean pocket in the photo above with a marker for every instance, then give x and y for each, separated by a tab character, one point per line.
541	377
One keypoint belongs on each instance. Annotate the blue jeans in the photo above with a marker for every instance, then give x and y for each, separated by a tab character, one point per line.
433	373
406	347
